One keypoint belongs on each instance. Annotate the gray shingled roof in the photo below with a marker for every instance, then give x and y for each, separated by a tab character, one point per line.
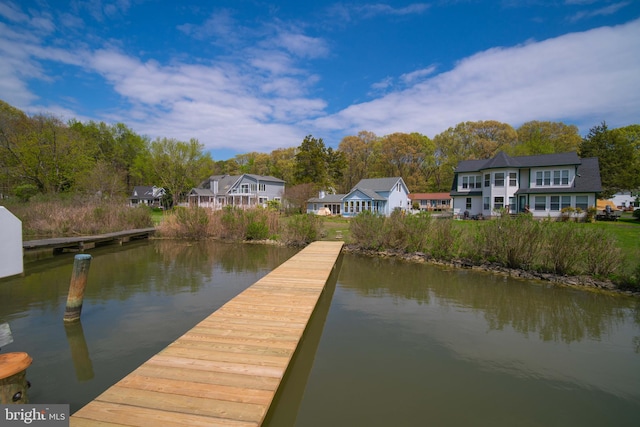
503	160
587	180
377	184
328	198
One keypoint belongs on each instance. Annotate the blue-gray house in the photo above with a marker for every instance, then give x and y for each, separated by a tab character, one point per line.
243	191
378	195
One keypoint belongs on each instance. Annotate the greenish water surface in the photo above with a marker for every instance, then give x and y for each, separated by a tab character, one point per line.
390	344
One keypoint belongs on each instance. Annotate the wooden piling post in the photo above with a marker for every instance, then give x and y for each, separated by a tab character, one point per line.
78	283
13	381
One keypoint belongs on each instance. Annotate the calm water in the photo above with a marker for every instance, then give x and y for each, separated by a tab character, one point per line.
391	344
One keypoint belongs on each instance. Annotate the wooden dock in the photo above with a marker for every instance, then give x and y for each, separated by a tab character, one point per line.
82	243
227	369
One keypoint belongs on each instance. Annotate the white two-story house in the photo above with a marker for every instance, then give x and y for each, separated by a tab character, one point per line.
243	191
542	184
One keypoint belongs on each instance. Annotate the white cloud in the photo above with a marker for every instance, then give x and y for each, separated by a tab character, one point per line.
582	77
604	11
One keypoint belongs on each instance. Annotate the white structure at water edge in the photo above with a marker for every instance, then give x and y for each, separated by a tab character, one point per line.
11	262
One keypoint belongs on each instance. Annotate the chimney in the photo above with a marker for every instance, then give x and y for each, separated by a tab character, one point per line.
321	194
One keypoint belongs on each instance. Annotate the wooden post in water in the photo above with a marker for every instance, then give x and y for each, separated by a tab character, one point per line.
13	381
81	265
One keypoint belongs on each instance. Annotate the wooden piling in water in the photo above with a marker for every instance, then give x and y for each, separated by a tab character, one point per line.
13	381
78	283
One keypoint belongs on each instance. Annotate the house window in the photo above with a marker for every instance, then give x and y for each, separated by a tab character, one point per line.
469	182
582	202
468	205
262	187
512	204
556	177
498	202
565	202
513	179
486	203
555	203
498	179
487	180
244	188
540	203
254	187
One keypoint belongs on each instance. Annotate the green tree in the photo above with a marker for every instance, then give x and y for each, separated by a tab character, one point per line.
409	156
179	166
618	154
282	164
469	141
359	155
537	137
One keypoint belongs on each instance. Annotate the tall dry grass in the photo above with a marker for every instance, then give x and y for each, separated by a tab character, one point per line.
78	216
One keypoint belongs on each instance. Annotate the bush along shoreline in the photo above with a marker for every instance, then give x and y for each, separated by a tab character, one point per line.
559	252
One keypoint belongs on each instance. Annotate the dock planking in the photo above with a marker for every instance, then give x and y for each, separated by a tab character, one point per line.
226	370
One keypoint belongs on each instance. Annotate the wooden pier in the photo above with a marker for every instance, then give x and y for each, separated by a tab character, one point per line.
82	243
227	369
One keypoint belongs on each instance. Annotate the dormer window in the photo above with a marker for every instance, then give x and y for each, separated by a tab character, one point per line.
556	178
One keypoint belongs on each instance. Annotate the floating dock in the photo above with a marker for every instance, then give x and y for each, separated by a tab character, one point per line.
227	369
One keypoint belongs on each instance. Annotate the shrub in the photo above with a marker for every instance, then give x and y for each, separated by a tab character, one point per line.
25	191
444	239
302	229
636	214
367	230
189	223
564	244
513	242
417	229
601	254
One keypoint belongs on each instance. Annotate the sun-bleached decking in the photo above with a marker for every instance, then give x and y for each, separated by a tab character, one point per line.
227	369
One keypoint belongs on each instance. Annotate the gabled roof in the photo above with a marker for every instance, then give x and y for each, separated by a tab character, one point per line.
144	192
503	160
263	178
378	184
227	182
373	195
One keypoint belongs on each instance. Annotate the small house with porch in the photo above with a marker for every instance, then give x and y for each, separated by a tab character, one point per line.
243	191
431	201
377	195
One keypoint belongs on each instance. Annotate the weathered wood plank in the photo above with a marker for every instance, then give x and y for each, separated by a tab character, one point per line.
227	369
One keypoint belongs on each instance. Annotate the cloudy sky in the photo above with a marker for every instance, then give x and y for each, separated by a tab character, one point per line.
256	75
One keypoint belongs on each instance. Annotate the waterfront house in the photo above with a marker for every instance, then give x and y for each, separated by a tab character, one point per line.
147	195
431	201
377	195
541	184
243	191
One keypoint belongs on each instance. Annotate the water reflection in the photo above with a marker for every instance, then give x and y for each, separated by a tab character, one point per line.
552	313
408	344
79	351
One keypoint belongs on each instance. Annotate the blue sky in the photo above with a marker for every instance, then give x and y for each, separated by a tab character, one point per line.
248	75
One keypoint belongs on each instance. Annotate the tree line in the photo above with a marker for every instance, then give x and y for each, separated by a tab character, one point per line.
42	154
